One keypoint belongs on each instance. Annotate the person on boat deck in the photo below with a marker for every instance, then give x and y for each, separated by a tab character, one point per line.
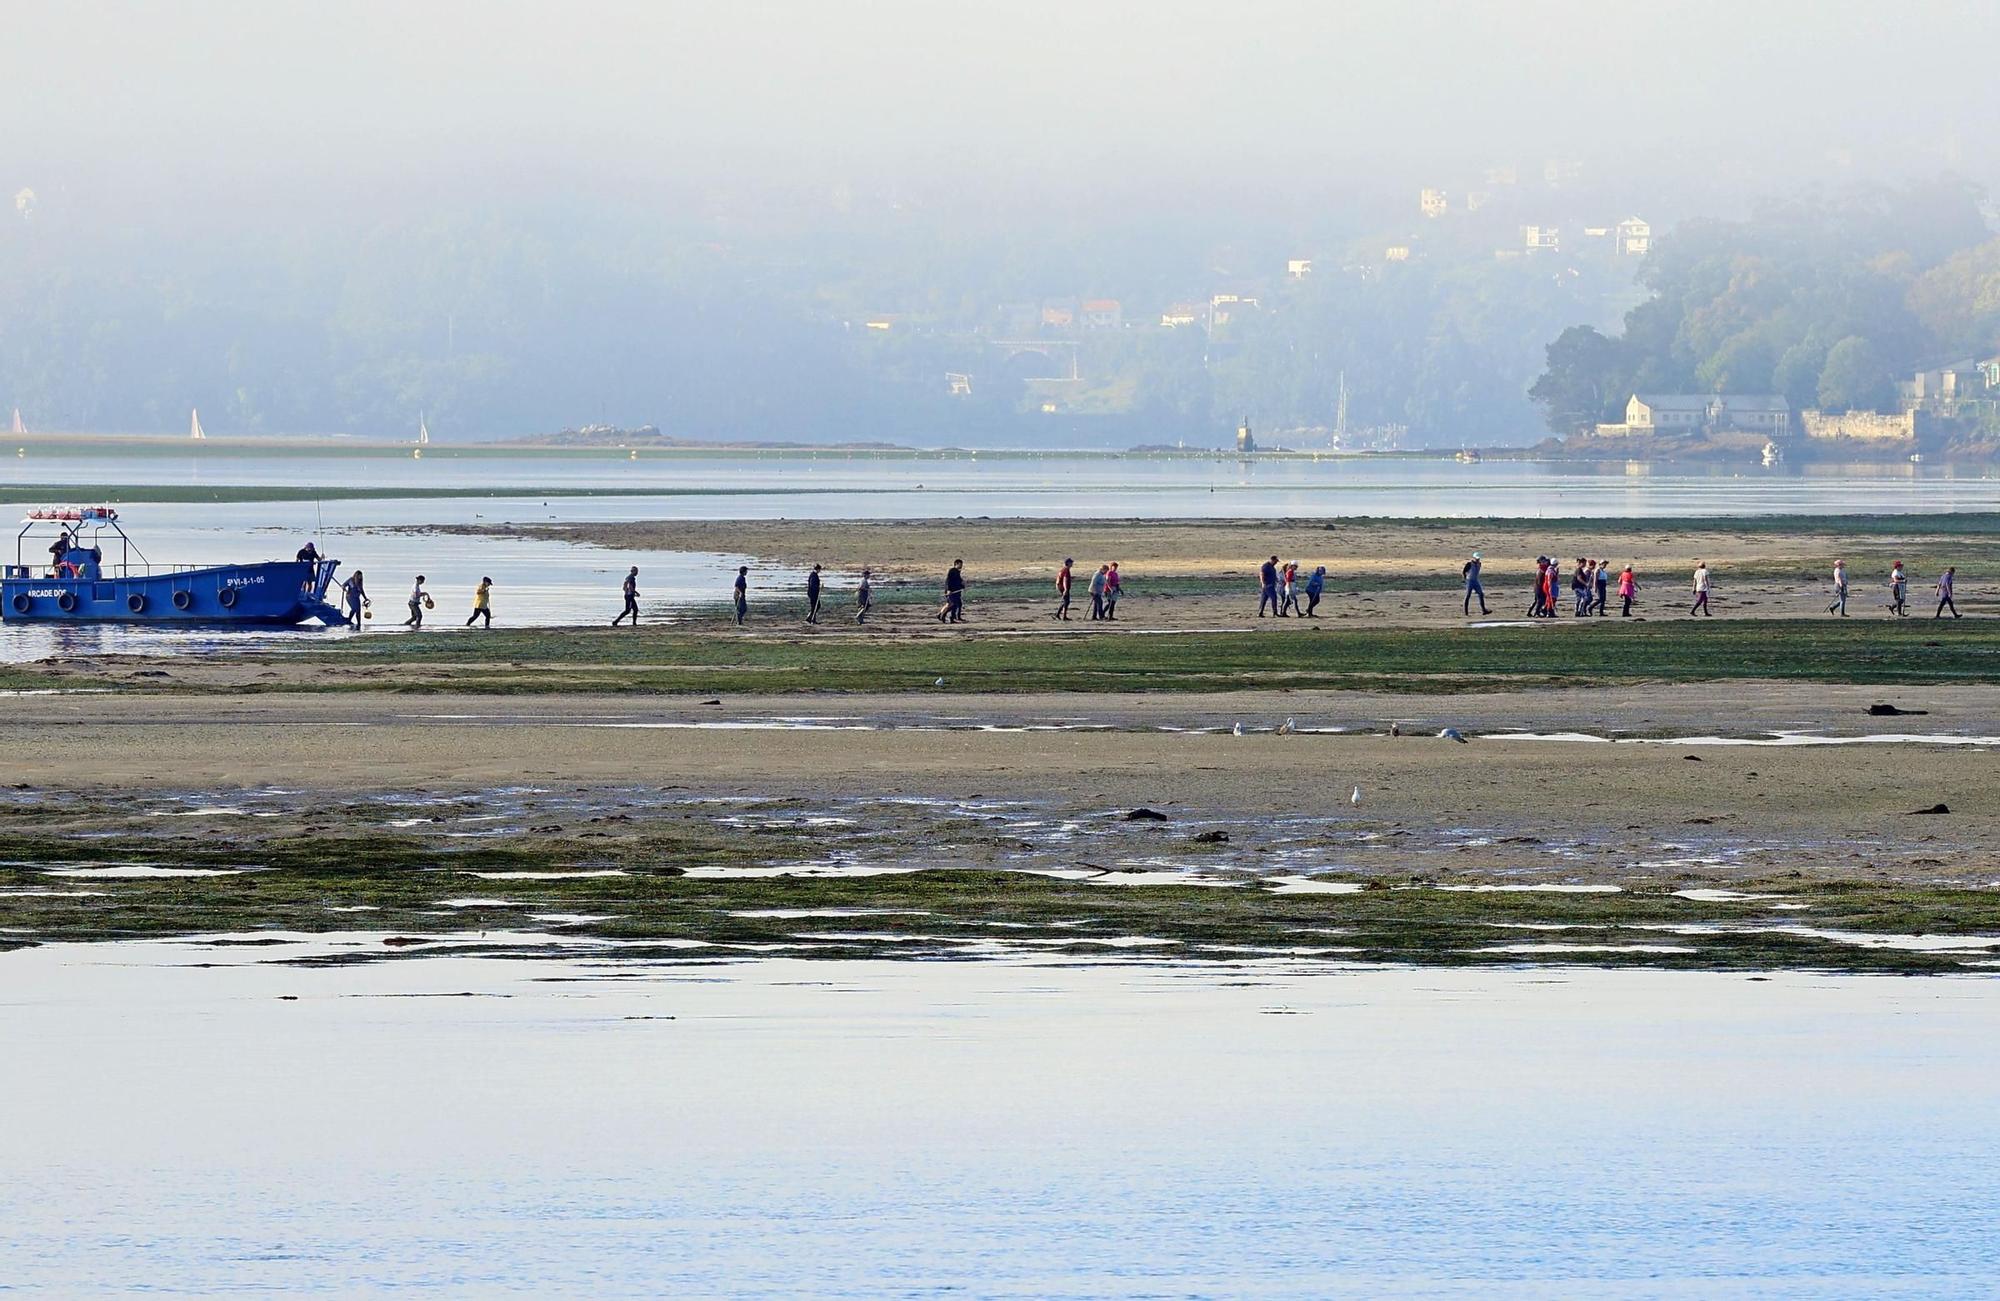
309	552
482	607
417	599
357	596
59	551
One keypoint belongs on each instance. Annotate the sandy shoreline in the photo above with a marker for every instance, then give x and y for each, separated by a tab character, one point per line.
1380	572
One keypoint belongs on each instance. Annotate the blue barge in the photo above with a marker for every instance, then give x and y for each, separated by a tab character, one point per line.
77	586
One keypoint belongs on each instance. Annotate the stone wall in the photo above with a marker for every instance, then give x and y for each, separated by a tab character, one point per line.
1869	425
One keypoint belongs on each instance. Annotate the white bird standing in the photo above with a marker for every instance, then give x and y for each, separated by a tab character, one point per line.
1453	734
1236	730
1356	797
1287	727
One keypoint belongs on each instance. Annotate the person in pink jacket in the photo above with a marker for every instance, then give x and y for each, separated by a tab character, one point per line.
1628	587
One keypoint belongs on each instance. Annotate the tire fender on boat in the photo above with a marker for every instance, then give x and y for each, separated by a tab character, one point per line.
183	599
227	596
136	602
21	603
66	602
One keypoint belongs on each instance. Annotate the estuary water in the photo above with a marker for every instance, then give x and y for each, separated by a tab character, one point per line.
193	1120
863	485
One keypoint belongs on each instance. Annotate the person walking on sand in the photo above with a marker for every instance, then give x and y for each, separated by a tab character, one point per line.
1700	606
631	590
1899	591
812	595
482	603
1551	578
419	598
741	592
1470	573
1268	579
1944	586
1097	581
357	597
1063	581
1839	605
1628	587
1579	588
864	597
1315	587
1535	597
1603	585
953	610
1113	585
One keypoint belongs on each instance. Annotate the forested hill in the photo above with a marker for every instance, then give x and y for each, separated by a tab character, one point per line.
1826	301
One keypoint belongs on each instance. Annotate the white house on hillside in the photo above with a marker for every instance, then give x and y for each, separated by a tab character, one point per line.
1701	413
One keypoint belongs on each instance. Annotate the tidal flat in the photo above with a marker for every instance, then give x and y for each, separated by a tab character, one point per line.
645	875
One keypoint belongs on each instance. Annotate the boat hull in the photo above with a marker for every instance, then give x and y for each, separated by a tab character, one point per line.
276	593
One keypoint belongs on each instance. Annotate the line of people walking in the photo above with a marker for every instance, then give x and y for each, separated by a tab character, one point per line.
1591	583
1105	587
359	608
1283	593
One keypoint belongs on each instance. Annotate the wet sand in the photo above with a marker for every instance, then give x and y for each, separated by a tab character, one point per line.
1822	809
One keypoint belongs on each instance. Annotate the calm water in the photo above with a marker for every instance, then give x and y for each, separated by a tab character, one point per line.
857	485
988	1129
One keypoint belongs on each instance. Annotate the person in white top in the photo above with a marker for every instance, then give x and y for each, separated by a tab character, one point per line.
1701	591
418	600
1839	605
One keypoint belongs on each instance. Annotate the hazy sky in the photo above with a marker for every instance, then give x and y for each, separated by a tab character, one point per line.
282	99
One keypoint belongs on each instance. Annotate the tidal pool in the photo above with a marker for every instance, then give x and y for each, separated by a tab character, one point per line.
189	1119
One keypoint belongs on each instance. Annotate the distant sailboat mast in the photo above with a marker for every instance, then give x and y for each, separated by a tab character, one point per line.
194	424
423	431
19	428
1340	414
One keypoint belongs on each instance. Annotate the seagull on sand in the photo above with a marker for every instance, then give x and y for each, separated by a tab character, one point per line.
1287	727
1236	730
1452	734
1356	797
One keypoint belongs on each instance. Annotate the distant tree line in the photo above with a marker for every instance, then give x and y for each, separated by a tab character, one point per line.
1827	301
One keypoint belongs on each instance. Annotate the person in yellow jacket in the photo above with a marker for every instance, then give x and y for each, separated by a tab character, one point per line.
482	599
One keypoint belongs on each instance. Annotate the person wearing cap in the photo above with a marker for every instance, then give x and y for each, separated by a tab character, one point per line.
1839	605
1603	585
864	596
1899	591
1062	589
1700	605
1470	572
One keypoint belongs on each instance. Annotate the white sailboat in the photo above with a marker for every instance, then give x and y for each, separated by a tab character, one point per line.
19	428
194	424
423	431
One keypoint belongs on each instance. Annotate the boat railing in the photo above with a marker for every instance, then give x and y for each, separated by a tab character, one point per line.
105	573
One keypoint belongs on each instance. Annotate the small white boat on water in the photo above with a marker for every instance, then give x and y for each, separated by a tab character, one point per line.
1773	454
